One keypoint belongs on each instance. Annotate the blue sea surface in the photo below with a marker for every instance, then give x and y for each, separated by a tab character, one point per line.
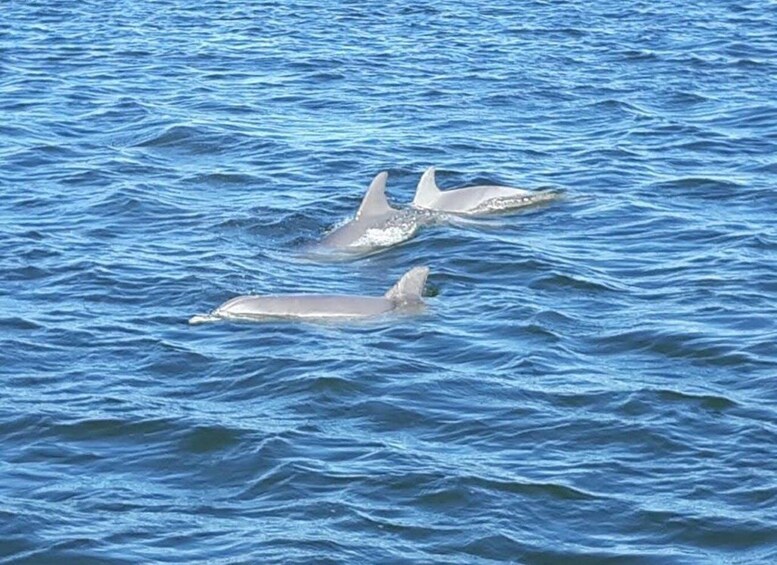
594	380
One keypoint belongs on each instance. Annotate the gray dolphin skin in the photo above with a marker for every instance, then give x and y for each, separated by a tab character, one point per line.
473	200
404	295
376	223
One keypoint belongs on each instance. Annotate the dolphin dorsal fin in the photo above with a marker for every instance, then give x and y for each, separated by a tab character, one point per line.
410	286
374	202
426	192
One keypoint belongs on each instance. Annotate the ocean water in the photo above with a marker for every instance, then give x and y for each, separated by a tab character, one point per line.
594	380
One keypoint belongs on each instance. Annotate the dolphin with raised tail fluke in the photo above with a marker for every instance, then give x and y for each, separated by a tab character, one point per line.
474	200
405	295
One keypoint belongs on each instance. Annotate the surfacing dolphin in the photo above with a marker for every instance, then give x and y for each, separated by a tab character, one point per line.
483	199
403	296
375	225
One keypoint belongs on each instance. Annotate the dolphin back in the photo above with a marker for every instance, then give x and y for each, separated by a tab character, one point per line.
410	286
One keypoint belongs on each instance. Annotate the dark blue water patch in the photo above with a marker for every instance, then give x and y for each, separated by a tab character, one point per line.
592	380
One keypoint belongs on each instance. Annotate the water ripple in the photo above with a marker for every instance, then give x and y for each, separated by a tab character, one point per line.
592	380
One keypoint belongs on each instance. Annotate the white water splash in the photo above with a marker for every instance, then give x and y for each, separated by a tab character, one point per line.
202	319
496	205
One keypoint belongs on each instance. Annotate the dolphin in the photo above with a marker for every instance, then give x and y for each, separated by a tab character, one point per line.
376	223
473	200
405	295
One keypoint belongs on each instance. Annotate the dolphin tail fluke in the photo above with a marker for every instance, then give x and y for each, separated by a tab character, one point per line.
426	192
374	202
410	286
